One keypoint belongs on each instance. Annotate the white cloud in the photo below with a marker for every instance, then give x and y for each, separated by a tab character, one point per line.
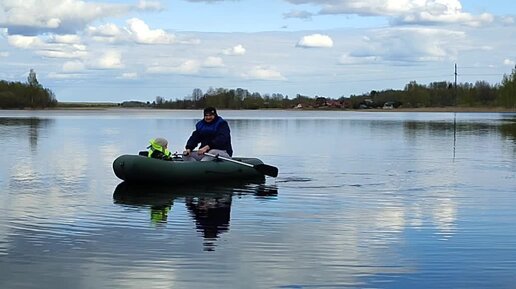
57	75
188	41
128	75
137	30
445	18
66	39
315	41
108	32
111	59
212	62
298	14
235	50
4	54
408	45
143	34
105	30
509	62
51	47
24	42
73	66
403	11
149	5
507	20
60	16
348	59
261	73
157	69
62	53
188	67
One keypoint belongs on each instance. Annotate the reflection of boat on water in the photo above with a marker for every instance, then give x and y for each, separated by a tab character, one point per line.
208	205
150	195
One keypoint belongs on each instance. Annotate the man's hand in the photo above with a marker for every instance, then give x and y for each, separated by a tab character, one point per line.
204	149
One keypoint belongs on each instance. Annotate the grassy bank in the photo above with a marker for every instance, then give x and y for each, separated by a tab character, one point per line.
446	109
85	105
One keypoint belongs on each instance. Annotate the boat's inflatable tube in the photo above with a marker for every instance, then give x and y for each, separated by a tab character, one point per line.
141	169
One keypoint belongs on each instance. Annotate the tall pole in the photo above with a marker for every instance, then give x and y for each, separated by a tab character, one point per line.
455	114
455	86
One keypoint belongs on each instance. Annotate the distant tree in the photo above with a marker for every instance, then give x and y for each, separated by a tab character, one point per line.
417	95
159	100
31	79
253	101
507	93
241	93
26	95
196	94
485	94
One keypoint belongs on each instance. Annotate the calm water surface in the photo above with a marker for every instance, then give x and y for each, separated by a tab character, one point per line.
363	200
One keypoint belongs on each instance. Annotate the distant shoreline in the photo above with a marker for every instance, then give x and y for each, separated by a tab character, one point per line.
106	106
445	109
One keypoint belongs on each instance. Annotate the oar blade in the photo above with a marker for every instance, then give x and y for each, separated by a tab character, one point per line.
262	168
267	170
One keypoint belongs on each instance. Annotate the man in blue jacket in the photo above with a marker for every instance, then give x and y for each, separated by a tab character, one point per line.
213	133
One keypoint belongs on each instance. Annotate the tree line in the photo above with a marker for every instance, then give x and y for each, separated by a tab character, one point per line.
413	95
443	94
238	98
26	95
436	94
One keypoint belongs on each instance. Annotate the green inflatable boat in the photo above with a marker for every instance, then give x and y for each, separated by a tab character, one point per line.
141	169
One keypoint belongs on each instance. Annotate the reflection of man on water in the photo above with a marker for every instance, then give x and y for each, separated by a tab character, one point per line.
211	215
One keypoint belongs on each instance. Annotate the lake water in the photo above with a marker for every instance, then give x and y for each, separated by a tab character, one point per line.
362	200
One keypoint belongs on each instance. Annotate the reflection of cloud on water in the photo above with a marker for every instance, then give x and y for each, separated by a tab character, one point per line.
385	163
108	152
268	137
111	148
151	274
38	192
445	216
369	225
390	219
23	172
69	163
346	250
430	163
47	186
439	212
440	203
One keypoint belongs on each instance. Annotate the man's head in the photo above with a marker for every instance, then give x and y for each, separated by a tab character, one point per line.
210	113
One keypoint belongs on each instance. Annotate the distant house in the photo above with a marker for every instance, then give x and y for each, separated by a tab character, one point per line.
367	103
331	103
391	104
321	101
388	105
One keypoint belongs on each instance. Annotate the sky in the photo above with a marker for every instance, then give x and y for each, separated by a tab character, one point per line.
114	51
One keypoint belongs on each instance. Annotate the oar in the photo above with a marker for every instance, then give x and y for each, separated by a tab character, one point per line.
262	168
